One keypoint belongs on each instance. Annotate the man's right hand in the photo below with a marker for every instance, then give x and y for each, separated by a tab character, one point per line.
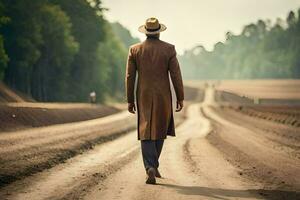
179	106
131	108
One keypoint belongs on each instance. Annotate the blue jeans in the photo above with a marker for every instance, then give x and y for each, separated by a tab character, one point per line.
151	150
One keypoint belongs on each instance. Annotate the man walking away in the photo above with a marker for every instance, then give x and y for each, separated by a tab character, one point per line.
153	60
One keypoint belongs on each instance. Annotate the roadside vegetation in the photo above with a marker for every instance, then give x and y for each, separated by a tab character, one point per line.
262	50
61	50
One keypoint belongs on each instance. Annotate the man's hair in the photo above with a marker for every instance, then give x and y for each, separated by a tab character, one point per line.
153	35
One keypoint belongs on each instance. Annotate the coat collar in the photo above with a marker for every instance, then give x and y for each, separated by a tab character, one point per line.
152	38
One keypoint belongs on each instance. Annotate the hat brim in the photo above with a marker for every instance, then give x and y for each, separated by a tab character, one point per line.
143	29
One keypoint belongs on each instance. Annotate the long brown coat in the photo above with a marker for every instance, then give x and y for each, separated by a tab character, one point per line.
153	60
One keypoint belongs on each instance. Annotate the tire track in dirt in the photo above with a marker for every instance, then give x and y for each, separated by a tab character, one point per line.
275	164
282	137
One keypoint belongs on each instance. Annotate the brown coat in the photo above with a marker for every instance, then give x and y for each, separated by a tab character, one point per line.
153	60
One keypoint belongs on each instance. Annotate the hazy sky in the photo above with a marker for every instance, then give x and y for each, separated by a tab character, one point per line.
192	22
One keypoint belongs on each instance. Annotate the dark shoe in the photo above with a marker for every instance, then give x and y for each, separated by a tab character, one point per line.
157	174
151	176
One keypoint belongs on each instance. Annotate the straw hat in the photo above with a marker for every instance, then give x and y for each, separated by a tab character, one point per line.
152	26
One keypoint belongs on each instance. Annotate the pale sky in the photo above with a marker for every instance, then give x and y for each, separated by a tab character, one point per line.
194	22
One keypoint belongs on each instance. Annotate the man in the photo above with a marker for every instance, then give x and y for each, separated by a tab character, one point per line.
153	60
93	97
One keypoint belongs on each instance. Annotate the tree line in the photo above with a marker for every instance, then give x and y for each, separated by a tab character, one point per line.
61	50
262	50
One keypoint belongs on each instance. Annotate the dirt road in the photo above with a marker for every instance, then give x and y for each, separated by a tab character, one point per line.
32	150
193	166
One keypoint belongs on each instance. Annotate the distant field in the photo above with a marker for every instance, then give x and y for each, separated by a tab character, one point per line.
195	83
262	89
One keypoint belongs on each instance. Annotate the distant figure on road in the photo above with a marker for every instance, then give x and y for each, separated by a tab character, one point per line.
153	60
93	97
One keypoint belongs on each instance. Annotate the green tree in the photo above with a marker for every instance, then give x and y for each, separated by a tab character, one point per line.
51	71
123	34
114	53
22	38
88	30
291	19
3	55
